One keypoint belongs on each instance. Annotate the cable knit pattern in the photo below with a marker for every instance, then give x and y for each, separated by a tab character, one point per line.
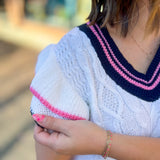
99	98
55	93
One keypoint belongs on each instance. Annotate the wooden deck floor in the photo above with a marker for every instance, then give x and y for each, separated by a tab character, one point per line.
16	125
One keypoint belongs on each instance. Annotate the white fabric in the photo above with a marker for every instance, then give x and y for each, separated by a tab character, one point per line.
109	106
54	88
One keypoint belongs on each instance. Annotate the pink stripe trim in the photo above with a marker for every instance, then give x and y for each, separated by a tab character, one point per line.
147	82
120	71
53	109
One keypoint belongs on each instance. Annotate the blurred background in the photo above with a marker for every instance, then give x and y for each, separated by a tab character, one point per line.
26	27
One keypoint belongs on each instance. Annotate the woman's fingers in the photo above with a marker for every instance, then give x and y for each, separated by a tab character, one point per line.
55	140
40	135
54	124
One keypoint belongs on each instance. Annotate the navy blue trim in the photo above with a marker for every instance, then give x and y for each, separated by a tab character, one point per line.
151	95
127	65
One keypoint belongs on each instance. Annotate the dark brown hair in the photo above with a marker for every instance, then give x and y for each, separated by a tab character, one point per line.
112	11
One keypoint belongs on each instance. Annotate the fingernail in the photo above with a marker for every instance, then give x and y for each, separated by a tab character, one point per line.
38	117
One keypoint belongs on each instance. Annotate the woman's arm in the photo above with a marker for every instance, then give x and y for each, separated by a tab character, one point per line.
84	137
135	148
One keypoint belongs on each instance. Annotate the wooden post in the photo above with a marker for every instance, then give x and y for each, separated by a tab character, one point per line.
15	11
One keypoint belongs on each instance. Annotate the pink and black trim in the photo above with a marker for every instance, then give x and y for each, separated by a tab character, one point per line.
145	86
54	109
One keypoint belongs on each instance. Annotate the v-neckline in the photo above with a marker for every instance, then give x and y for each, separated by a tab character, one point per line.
144	86
151	68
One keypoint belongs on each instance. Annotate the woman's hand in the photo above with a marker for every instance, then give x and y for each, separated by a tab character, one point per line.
84	137
70	137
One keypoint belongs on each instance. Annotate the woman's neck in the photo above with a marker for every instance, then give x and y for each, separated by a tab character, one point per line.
137	48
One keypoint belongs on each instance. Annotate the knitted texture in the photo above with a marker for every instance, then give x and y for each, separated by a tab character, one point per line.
73	80
52	89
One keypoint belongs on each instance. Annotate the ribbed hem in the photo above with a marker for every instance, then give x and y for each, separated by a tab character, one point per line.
53	108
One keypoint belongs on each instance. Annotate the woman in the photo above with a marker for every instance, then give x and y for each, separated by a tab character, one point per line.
108	71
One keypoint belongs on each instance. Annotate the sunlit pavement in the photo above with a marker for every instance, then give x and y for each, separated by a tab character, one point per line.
16	125
31	34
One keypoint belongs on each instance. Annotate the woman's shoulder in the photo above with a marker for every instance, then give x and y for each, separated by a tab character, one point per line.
75	39
69	46
60	73
71	55
73	51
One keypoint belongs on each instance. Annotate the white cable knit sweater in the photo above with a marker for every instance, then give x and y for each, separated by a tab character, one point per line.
71	83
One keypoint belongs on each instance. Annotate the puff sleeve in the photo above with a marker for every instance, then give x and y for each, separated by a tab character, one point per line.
54	93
